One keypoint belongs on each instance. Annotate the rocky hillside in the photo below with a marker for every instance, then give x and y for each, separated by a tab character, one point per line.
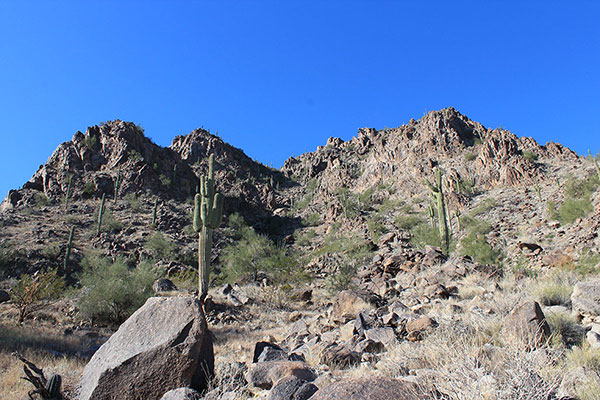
335	268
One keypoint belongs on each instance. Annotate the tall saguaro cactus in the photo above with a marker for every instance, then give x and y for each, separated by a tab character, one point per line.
595	163
68	193
101	214
66	268
208	214
437	192
117	184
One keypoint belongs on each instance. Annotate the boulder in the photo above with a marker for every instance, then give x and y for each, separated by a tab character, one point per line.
4	296
348	304
585	299
339	356
372	388
292	388
265	374
181	394
527	323
163	285
164	345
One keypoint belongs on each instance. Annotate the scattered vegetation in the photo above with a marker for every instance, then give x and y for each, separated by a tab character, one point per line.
529	156
33	293
162	247
577	203
112	291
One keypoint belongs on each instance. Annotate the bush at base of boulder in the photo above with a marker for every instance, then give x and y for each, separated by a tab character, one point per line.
163	346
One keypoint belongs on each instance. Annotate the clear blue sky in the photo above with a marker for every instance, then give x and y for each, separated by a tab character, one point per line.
276	78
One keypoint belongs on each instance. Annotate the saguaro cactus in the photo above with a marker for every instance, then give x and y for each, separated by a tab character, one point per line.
101	214
208	214
117	184
437	192
154	212
68	193
53	387
66	268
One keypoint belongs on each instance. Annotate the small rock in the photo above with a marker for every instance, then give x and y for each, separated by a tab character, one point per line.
585	299
181	394
292	388
386	336
339	356
593	339
420	324
259	347
163	285
527	323
4	296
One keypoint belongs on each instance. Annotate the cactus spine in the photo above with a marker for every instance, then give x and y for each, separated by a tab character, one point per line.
101	214
68	193
66	268
154	212
208	214
53	387
437	192
117	184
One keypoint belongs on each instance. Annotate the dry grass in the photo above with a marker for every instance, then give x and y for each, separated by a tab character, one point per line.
53	353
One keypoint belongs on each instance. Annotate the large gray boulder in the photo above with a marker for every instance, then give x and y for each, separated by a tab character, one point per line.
163	346
527	324
585	299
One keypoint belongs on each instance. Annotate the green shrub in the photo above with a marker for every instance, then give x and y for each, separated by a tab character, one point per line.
88	188
51	252
306	238
376	226
161	246
475	245
588	263
111	291
251	253
134	202
312	219
530	156
483	207
565	329
408	222
577	202
422	235
470	156
41	200
553	293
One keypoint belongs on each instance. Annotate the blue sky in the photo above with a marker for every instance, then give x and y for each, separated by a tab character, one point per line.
277	78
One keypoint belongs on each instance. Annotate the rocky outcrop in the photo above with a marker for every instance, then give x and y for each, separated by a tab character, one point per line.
527	323
163	346
585	299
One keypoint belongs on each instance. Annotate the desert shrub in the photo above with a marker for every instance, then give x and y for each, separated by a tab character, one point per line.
483	207
88	188
577	202
553	293
529	156
470	156
376	226
588	263
408	222
584	356
251	253
41	200
306	238
90	141
365	198
477	247
134	202
424	234
349	201
109	222
348	254
161	246
565	330
111	291
51	251
185	279
312	219
32	293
